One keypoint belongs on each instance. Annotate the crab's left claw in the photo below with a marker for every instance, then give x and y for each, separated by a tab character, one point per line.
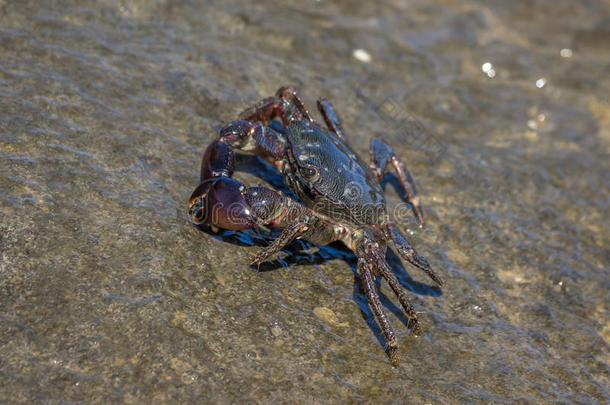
220	202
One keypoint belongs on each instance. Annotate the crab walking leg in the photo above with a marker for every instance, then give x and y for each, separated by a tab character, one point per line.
286	104
410	255
365	270
288	235
382	153
386	273
370	258
330	117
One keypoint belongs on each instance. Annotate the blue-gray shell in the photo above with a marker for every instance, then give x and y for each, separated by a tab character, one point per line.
347	191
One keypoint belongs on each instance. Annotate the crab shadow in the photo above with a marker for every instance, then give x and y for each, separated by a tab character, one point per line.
300	253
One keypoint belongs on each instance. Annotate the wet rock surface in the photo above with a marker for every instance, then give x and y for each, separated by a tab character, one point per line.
109	294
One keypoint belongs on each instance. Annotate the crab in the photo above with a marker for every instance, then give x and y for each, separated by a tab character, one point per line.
340	195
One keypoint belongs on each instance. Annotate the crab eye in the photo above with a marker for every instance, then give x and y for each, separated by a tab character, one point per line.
311	173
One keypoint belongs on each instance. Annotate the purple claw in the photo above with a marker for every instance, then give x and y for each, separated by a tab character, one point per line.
219	202
218	160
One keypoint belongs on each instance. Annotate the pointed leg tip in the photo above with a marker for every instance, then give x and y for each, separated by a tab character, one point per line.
419	214
423	264
417	329
394	357
434	277
255	261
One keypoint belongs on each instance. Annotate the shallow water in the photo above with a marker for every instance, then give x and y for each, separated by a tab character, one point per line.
108	294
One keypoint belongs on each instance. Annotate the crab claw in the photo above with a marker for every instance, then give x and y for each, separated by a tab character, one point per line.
218	160
219	202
